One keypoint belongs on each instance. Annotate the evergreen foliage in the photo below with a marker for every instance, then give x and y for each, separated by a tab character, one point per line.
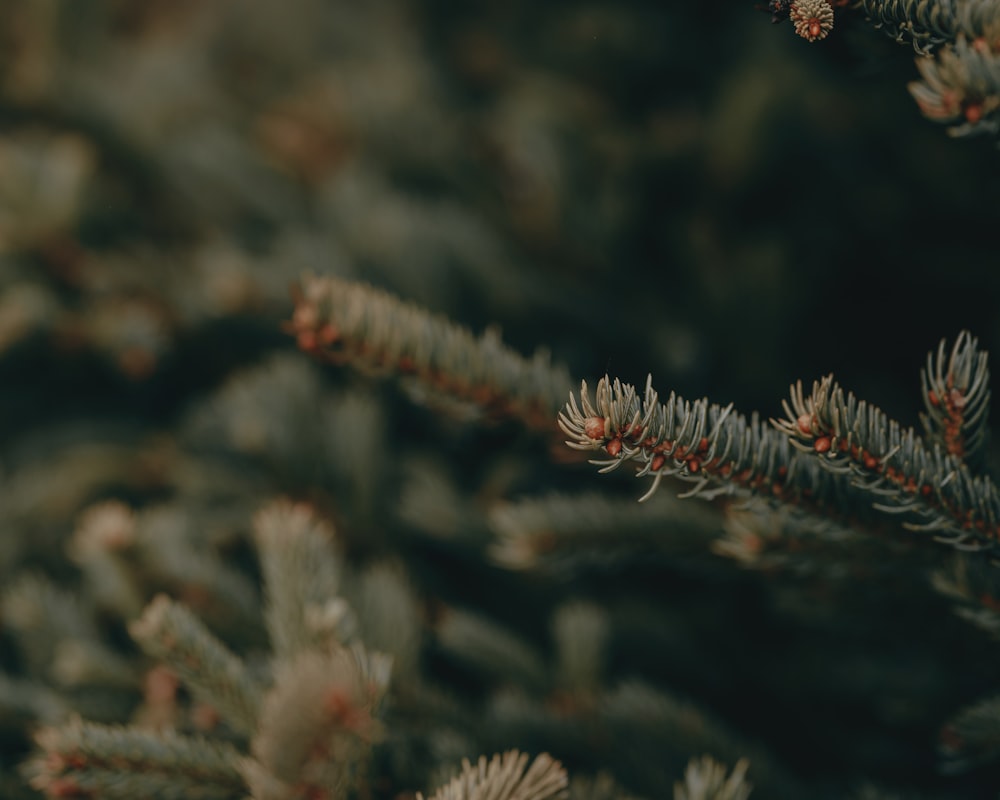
360	560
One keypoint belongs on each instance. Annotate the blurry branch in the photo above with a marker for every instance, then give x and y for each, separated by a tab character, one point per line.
171	634
302	606
506	777
356	324
310	715
972	736
86	760
561	528
707	779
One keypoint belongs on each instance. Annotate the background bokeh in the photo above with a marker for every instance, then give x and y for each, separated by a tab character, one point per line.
682	189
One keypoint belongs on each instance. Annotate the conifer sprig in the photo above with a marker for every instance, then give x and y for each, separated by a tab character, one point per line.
956	394
507	777
935	489
83	760
717	449
925	24
346	322
170	633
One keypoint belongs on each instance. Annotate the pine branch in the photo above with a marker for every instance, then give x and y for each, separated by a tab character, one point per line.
562	529
934	489
581	631
707	779
303	608
957	41
925	23
718	450
960	87
506	777
972	737
84	760
170	633
318	724
483	644
956	394
345	322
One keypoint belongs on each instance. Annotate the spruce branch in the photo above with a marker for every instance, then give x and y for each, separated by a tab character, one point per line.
346	322
86	760
318	724
718	450
956	394
934	489
972	736
563	529
485	645
707	779
506	777
960	87
170	633
302	606
925	23
580	631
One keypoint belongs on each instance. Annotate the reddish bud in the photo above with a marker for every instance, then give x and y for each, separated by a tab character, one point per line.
594	427
693	464
614	447
305	316
657	463
822	444
805	424
327	334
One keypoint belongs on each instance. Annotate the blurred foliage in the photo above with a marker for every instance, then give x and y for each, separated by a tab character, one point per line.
639	186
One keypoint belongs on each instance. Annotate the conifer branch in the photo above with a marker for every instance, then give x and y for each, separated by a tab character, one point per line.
85	760
346	322
956	394
170	633
562	529
481	643
960	86
506	777
957	41
707	779
972	736
302	607
933	488
925	23
718	450
318	724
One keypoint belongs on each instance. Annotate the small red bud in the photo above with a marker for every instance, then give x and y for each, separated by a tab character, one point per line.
805	424
614	447
594	427
822	444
